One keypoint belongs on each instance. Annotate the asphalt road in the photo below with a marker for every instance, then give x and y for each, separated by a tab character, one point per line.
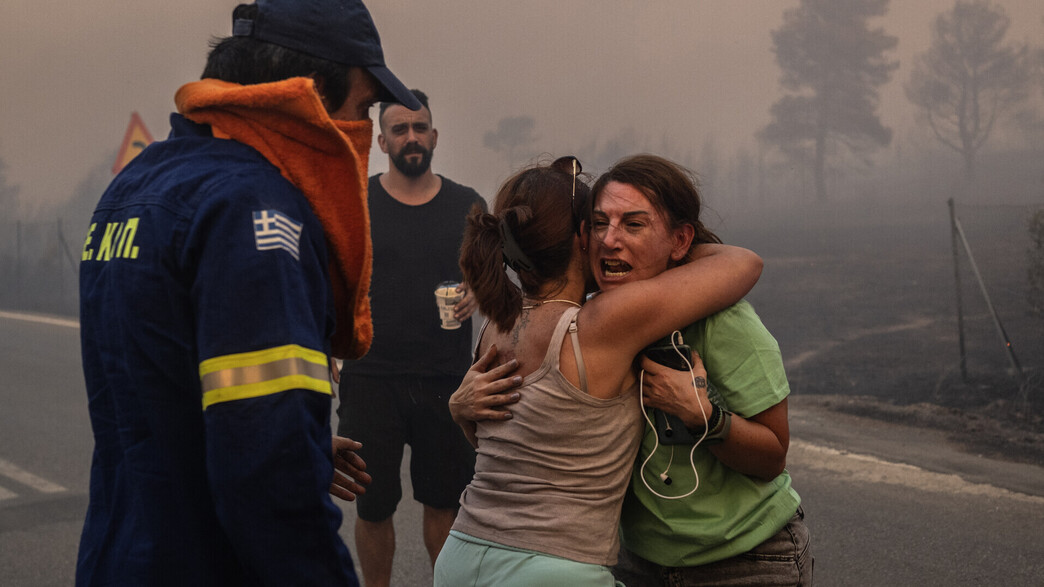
886	504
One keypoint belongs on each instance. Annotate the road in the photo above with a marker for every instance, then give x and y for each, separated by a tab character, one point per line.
886	504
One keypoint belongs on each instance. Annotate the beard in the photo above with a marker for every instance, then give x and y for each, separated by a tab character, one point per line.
409	168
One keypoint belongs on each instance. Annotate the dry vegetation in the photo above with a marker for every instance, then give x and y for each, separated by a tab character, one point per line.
863	304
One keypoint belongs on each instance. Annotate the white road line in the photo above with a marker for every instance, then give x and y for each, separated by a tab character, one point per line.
12	471
916	324
870	469
40	318
7	494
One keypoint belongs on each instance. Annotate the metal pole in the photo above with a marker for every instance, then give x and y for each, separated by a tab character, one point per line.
61	273
18	264
957	281
996	319
69	256
65	248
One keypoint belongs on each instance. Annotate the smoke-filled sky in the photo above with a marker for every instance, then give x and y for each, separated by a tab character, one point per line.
674	72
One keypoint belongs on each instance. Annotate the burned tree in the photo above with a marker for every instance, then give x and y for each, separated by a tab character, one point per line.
833	64
968	78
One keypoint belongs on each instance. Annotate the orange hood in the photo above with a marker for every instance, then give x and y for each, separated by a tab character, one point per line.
326	159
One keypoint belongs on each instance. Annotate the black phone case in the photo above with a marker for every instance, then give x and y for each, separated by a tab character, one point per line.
669	428
666	355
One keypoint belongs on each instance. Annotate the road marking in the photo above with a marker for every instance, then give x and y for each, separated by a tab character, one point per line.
870	469
14	472
797	360
41	319
7	494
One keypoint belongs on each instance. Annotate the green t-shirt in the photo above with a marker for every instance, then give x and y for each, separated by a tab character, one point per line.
730	513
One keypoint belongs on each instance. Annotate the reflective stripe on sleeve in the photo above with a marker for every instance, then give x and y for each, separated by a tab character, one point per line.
264	372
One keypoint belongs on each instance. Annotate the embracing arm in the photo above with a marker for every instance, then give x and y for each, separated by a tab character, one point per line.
717	277
483	393
635	314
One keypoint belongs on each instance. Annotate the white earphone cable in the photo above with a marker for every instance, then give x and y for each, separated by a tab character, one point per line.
656	437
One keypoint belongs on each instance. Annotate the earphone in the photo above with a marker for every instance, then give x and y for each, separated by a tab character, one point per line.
665	475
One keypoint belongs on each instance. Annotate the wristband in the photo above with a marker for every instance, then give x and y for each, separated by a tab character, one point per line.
718	425
720	432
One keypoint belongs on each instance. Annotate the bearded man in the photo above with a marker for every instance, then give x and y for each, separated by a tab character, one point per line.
398	393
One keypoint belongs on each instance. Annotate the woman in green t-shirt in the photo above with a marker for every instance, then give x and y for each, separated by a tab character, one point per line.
543	506
722	512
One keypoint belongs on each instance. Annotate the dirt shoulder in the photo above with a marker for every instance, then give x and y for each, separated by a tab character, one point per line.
863	299
994	431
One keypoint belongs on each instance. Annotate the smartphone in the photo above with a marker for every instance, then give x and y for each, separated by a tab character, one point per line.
667	355
669	428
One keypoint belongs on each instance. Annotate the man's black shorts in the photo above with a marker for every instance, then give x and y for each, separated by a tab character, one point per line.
386	413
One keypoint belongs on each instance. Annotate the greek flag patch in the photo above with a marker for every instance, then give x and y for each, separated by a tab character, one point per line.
275	230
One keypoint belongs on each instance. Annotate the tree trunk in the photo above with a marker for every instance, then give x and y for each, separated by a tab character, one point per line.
820	167
969	166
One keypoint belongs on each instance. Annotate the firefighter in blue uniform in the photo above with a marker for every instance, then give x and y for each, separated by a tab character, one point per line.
221	270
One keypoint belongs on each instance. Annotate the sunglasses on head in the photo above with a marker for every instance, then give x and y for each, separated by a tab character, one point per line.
570	165
513	254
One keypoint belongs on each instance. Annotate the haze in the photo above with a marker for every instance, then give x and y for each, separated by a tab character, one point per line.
677	73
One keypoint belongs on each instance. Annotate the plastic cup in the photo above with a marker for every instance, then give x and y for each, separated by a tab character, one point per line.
446	298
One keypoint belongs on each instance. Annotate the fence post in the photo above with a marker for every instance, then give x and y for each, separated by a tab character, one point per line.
64	245
18	263
61	265
957	289
1016	367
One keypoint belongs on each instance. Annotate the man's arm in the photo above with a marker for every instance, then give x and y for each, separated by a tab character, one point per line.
262	336
466	306
350	476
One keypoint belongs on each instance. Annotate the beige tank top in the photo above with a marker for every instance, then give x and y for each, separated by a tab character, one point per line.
552	479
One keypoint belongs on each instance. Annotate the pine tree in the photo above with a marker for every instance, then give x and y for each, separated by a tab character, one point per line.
832	64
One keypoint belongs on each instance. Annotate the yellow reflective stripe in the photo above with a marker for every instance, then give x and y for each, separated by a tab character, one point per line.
260	357
226	394
264	372
259	373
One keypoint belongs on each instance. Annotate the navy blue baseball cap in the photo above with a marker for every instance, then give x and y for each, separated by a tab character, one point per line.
338	30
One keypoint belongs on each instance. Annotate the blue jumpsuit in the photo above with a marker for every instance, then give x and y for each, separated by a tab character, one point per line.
205	318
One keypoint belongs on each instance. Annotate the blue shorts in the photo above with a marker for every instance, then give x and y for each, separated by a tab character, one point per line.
387	413
469	561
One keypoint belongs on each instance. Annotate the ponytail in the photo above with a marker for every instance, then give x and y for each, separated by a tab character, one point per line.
482	263
531	230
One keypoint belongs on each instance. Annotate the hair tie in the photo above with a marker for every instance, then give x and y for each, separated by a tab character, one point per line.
513	254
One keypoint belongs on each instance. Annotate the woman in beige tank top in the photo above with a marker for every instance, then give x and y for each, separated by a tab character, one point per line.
544	504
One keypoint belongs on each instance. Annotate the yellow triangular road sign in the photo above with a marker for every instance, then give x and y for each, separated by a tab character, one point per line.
135	140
